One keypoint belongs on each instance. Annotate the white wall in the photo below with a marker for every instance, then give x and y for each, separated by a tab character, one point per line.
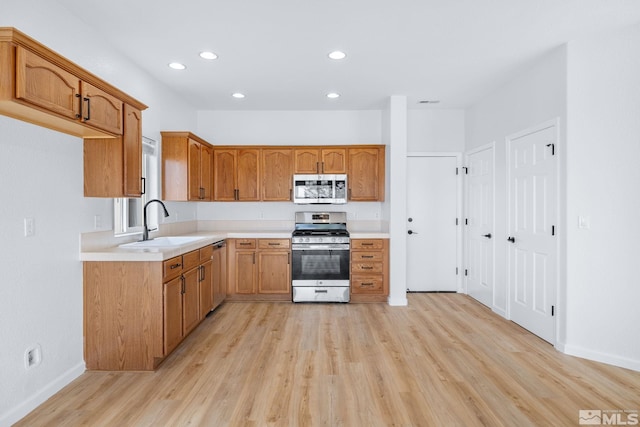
534	97
435	131
41	177
603	292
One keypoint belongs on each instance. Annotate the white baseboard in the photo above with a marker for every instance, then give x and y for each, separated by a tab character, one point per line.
398	301
18	412
596	356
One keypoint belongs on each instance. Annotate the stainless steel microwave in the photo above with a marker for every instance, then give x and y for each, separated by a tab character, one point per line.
319	189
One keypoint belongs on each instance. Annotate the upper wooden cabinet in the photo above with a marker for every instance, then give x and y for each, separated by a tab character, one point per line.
41	87
41	83
186	167
366	173
132	152
277	171
101	110
236	174
320	160
113	166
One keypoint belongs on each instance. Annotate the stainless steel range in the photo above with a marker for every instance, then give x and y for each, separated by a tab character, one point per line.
320	257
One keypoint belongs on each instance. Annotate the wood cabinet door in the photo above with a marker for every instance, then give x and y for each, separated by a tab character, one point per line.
248	175
190	309
45	85
275	272
206	172
334	160
205	288
132	151
306	160
193	178
224	168
245	272
277	174
101	110
172	296
366	174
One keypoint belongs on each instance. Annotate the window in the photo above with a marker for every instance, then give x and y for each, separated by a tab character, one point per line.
127	212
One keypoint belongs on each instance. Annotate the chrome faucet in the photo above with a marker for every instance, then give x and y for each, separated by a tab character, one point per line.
145	232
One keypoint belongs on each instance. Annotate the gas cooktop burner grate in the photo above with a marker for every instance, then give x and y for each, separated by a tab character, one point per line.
320	233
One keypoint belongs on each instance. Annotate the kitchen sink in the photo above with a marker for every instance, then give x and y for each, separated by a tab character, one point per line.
166	241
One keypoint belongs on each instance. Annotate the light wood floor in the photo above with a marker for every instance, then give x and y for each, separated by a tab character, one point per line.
445	360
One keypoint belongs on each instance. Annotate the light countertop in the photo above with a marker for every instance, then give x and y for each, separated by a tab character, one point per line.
161	253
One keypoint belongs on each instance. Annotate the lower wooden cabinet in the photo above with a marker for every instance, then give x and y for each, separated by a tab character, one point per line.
259	269
369	270
136	313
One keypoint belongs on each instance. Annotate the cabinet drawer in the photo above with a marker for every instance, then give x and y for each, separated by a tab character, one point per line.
366	256
205	253
190	260
366	267
366	244
172	267
273	243
366	284
245	243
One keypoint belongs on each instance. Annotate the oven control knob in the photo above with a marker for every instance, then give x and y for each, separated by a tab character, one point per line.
306	239
333	239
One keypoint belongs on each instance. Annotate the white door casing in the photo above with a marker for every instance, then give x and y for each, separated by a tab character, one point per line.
480	224
533	237
433	236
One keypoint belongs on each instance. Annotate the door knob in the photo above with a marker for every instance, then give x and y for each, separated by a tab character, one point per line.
410	219
488	236
412	232
511	239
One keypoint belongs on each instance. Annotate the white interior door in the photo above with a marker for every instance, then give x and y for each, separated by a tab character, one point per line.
432	203
479	230
532	241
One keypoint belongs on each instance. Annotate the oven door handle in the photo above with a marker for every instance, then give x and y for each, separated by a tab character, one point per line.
319	247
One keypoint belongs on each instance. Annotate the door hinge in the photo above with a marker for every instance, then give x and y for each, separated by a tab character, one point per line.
456	271
466	170
456	171
456	221
553	149
553	310
553	230
466	272
466	221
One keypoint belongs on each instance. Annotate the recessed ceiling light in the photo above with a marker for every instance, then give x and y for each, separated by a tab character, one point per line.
336	54
238	95
208	55
177	66
333	95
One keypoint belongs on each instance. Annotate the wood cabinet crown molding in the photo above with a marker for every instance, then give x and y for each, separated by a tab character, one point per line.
18	38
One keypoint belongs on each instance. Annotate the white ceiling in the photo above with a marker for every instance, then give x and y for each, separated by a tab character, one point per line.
275	51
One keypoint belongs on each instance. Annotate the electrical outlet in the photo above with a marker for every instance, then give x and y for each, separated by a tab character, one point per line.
32	356
29	227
